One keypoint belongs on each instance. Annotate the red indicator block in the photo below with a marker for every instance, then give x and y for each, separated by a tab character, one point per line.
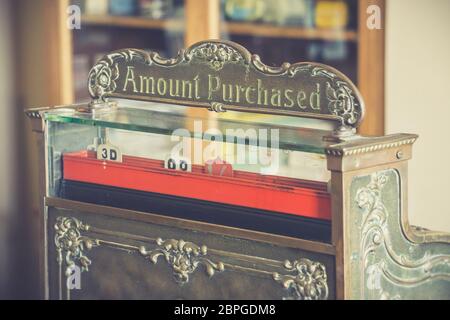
218	167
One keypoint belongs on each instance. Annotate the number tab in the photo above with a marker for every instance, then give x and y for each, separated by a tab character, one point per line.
109	152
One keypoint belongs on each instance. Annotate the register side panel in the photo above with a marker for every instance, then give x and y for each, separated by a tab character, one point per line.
93	256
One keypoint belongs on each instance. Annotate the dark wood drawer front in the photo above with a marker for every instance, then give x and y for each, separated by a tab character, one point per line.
109	257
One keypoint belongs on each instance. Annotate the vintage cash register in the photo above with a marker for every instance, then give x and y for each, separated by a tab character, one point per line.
271	194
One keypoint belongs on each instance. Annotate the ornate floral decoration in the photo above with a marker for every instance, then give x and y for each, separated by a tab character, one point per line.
341	103
309	281
378	257
184	258
344	101
217	107
217	54
303	279
103	76
71	245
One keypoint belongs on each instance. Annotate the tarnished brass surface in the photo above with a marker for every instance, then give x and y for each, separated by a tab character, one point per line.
130	259
278	240
365	152
222	75
385	264
374	254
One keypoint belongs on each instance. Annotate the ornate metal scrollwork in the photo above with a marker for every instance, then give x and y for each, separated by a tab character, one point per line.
128	73
71	245
103	76
217	54
384	270
184	258
303	279
309	281
217	107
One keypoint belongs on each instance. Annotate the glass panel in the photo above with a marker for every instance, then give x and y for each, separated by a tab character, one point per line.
167	119
139	154
108	25
78	142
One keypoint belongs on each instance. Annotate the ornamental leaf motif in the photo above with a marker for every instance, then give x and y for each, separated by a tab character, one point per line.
217	55
103	76
341	98
184	258
71	245
309	281
379	259
341	103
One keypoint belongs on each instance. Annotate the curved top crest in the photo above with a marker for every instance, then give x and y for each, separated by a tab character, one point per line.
223	75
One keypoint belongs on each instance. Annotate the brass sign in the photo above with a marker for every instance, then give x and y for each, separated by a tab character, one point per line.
222	75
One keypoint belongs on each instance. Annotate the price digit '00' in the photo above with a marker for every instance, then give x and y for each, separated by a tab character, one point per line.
175	163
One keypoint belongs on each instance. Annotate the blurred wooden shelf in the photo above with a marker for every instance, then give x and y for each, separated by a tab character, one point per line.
133	22
267	30
236	28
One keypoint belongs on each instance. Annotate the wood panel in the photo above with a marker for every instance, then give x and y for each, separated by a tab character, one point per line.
59	49
44	78
202	20
371	63
202	23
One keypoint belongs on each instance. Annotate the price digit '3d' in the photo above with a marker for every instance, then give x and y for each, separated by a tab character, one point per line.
109	152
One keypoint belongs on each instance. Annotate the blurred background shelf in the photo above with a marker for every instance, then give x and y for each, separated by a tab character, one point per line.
266	30
237	28
332	32
132	22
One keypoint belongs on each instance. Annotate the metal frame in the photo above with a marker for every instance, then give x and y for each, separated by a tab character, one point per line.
365	172
231	61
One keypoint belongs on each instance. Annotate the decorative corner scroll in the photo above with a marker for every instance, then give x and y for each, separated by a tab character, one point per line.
217	107
217	54
389	265
184	258
71	245
226	73
309	281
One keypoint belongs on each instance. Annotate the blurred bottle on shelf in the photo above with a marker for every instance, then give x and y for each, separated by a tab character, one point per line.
331	14
156	9
123	7
96	7
80	4
244	10
290	13
278	12
327	51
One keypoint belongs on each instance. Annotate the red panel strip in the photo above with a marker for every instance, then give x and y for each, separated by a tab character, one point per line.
272	193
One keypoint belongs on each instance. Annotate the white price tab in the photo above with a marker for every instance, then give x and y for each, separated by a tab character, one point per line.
109	152
178	163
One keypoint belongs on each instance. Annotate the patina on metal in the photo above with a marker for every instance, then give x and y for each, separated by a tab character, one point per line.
374	252
301	279
222	75
381	255
386	264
